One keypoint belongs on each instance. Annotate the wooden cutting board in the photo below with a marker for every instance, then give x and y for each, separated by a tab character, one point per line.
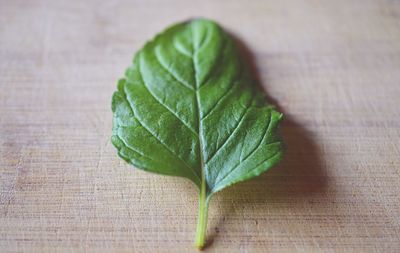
333	68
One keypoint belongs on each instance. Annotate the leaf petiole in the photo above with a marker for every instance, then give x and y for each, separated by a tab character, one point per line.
202	219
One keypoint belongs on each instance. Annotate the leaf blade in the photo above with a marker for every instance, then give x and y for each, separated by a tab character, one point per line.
189	89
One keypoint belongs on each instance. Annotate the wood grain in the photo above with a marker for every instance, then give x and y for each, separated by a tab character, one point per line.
333	68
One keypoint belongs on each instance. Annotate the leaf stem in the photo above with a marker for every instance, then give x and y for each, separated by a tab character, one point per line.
202	219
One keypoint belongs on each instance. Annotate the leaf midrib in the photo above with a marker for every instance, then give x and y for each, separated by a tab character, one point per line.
203	185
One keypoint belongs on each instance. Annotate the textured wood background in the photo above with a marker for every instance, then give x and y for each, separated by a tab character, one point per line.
333	68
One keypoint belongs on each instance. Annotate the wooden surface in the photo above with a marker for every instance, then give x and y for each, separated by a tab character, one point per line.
333	68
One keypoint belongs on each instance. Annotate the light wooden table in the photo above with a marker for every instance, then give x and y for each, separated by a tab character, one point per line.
333	67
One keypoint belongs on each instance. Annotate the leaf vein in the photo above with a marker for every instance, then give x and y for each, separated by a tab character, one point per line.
180	50
231	134
159	140
163	105
156	54
130	147
220	100
251	153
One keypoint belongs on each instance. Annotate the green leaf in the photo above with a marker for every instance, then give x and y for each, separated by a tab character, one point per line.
188	107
